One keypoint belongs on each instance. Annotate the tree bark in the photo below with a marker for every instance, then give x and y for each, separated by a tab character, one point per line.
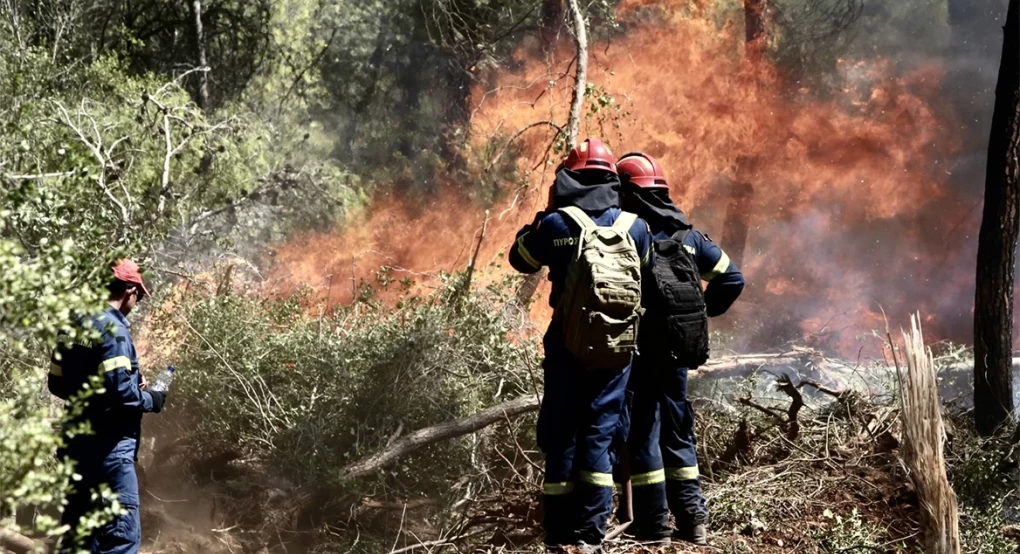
997	242
438	433
202	92
581	77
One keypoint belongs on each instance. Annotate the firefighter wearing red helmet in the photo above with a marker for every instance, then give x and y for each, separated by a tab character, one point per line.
107	455
661	442
583	402
591	154
642	170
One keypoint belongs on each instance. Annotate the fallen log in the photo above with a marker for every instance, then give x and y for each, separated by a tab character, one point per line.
416	440
807	364
20	544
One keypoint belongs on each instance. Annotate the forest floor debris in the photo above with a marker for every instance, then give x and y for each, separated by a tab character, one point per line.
837	485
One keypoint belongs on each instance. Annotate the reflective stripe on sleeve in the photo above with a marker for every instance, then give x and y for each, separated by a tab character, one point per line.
650	478
557	489
720	267
114	363
56	370
525	254
682	473
597	479
648	254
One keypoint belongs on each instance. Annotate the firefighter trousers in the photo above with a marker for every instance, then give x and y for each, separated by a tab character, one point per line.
662	452
115	469
580	415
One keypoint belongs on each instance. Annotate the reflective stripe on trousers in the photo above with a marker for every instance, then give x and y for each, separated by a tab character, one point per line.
663	454
580	414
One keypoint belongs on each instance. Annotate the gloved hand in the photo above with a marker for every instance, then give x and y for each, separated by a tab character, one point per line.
158	399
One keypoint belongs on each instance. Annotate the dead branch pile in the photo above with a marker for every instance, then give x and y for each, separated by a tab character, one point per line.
922	445
789	473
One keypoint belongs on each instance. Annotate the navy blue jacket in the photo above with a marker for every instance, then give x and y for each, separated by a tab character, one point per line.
725	282
116	413
551	241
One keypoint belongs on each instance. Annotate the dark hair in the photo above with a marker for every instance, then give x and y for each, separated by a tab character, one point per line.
118	288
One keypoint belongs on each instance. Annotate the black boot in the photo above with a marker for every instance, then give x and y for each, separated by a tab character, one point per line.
651	514
694	534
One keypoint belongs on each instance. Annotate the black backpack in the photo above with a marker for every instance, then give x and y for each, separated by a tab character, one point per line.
678	314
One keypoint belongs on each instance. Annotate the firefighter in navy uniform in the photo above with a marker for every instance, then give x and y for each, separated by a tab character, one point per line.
661	441
581	408
108	453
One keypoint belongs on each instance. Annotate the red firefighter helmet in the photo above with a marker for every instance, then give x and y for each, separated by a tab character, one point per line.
590	154
127	270
642	170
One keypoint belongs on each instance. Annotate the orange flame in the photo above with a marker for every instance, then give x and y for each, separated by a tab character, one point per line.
849	208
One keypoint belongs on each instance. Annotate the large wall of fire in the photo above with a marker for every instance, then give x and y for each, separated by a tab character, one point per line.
837	205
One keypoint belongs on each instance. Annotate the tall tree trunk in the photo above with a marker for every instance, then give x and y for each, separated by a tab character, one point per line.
531	282
739	212
457	81
581	77
202	96
552	22
997	242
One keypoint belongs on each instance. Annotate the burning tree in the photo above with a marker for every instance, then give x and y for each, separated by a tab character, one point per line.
996	261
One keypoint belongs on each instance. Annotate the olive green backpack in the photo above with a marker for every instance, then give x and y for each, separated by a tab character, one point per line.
601	301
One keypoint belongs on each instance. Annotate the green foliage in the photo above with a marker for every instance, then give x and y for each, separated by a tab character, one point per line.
984	475
150	36
98	164
31	477
306	395
349	76
851	532
981	530
29	474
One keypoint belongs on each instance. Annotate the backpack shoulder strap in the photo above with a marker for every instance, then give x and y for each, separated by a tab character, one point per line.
670	248
579	217
624	222
681	235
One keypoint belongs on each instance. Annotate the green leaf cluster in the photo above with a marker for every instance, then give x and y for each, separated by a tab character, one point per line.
306	394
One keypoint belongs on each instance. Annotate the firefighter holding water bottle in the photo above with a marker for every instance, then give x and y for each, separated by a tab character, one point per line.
106	453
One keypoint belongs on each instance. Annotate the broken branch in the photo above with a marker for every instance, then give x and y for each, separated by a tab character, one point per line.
437	433
474	255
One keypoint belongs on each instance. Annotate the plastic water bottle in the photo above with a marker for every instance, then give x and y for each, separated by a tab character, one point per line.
164	379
